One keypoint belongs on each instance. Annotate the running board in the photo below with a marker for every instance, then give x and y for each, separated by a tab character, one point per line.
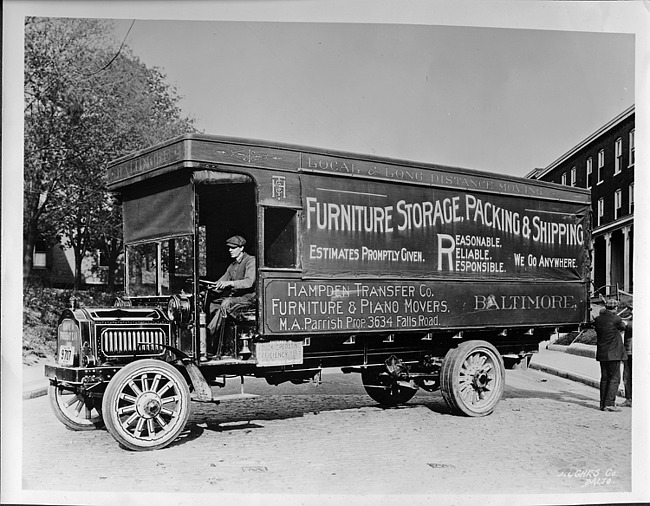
233	397
222	398
227	361
202	391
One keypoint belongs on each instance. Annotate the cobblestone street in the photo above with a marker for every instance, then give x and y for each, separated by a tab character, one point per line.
546	436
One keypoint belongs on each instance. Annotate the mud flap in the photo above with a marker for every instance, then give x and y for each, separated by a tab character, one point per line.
202	391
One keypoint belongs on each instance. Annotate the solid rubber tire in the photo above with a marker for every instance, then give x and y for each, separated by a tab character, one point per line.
119	387
77	423
454	384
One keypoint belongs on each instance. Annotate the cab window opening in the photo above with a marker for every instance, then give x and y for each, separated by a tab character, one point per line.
280	249
160	267
225	210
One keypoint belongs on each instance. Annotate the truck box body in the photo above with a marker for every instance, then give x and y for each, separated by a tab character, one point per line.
380	245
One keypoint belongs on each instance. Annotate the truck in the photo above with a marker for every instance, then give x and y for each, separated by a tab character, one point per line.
413	275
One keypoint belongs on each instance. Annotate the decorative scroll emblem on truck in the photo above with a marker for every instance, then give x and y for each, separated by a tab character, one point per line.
279	187
252	156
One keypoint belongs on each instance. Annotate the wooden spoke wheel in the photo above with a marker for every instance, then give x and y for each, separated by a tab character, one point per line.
146	405
386	390
75	410
472	378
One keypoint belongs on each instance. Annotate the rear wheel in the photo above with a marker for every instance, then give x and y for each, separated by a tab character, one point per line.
146	405
77	411
472	378
386	390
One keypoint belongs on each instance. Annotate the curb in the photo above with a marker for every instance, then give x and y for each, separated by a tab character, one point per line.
582	350
41	391
575	349
34	393
35	383
35	388
571	376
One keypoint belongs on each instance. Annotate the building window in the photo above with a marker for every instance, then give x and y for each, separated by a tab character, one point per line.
573	176
590	170
631	197
618	155
564	179
618	201
601	210
631	158
39	260
601	165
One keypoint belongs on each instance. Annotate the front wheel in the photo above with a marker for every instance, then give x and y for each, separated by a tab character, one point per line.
76	410
386	390
472	378
146	405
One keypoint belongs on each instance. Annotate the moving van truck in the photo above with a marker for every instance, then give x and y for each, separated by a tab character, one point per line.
413	275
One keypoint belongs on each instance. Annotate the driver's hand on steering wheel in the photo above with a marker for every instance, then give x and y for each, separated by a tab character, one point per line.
222	284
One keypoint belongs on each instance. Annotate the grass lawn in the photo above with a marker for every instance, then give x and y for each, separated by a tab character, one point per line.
41	310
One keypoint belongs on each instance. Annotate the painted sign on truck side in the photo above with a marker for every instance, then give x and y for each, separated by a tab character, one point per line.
363	228
322	307
379	256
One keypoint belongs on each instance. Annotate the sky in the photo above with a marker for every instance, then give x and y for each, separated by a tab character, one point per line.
500	100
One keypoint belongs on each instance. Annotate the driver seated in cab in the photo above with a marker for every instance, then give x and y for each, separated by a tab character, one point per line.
235	290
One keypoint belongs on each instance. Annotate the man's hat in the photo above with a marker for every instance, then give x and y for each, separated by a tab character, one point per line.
236	240
611	304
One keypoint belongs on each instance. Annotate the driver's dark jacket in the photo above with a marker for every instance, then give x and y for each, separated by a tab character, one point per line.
242	274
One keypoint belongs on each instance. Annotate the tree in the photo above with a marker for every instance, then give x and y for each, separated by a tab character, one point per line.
109	239
87	101
51	117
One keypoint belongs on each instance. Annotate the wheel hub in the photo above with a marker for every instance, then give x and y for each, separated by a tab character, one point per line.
148	405
480	380
477	374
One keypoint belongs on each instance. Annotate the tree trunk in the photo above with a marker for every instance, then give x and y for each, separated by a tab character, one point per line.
110	276
78	257
112	266
111	250
29	241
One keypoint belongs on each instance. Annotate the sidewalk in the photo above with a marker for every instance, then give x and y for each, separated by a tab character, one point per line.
576	363
34	381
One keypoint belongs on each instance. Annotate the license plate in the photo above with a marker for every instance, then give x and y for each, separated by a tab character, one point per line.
279	353
66	355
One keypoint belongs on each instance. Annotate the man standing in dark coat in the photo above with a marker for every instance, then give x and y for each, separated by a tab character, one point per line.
627	366
610	352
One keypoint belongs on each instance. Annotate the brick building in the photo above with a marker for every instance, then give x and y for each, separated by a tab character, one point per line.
604	162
